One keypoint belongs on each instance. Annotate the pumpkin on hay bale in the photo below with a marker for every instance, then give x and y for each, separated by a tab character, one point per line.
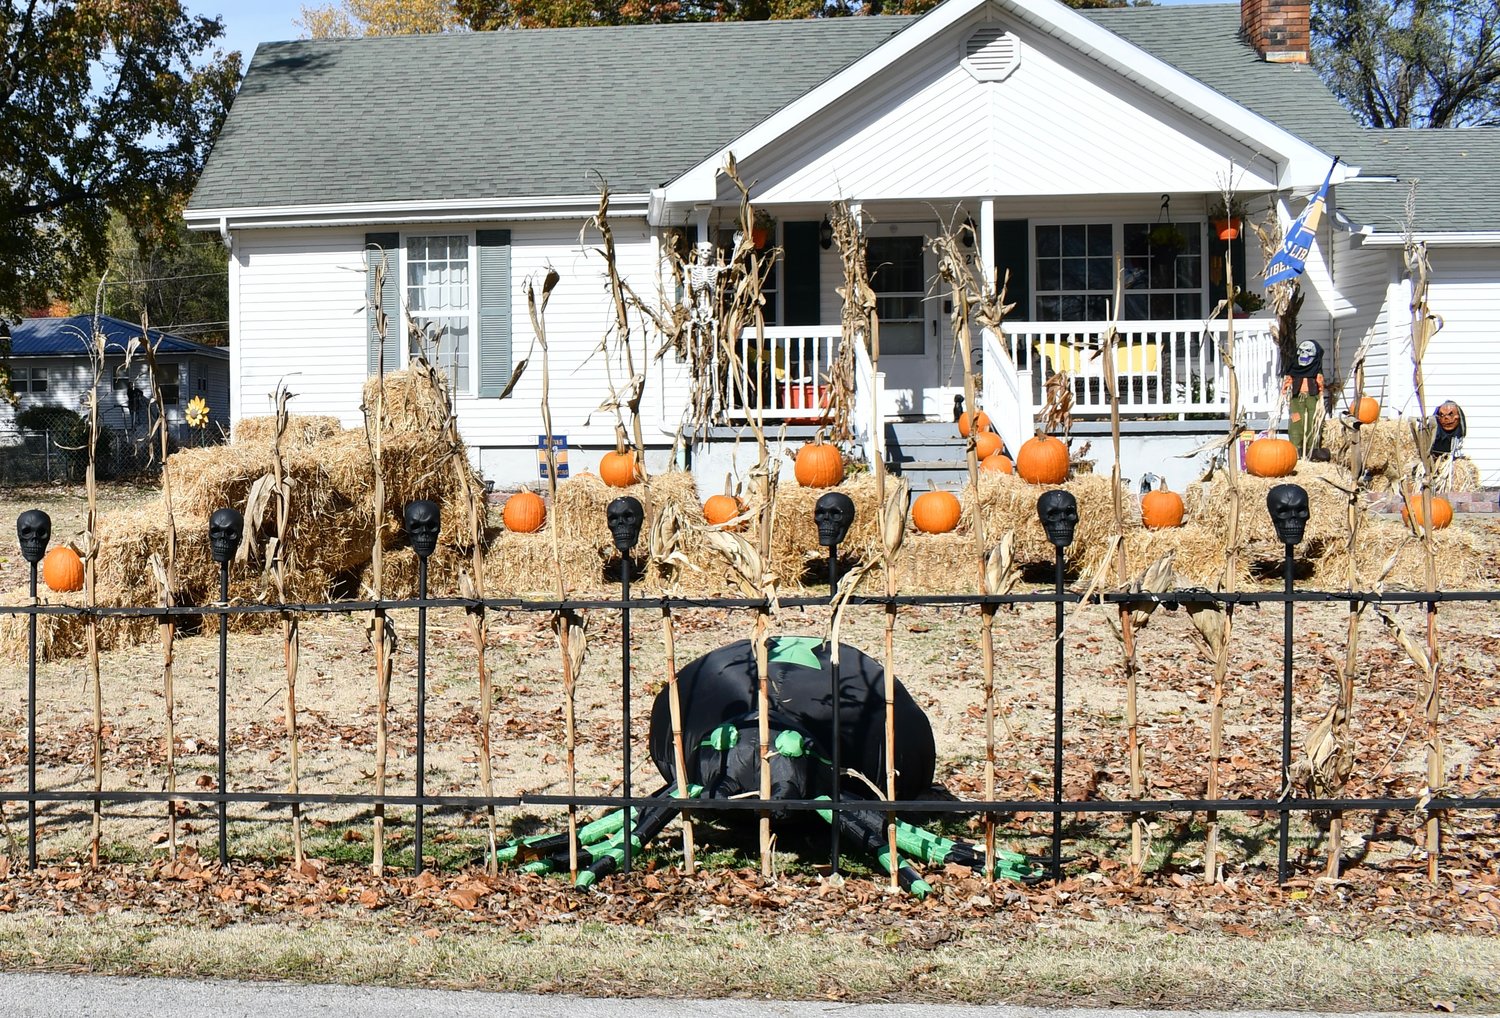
936	512
818	464
1043	459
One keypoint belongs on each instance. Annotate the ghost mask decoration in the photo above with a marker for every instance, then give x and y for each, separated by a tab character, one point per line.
625	515
834	515
424	521
1287	504
1058	510
225	528
34	530
1307	352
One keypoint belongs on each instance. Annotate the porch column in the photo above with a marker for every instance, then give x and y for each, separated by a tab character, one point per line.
700	220
986	238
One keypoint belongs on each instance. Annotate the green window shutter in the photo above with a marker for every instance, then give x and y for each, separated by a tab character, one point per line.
1012	251
494	311
377	246
800	270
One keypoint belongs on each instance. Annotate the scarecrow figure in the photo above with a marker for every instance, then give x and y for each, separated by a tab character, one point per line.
720	730
1302	381
1448	438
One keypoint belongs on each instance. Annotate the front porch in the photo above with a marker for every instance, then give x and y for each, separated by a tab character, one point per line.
1167	370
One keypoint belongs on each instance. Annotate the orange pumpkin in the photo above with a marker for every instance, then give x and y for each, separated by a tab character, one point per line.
1271	457
1161	509
986	444
936	512
964	419
1043	459
1367	410
819	465
619	469
62	569
999	463
1442	512
720	509
524	512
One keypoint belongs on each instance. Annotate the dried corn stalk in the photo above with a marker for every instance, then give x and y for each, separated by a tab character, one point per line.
96	348
666	555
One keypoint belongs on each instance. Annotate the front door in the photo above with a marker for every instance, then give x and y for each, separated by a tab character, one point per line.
900	267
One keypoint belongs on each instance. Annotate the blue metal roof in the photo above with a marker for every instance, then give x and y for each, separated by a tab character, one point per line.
69	337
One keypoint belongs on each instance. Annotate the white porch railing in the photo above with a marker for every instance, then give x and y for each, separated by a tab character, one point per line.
1163	367
785	378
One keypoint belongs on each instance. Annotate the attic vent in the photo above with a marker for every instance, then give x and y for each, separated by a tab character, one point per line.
992	53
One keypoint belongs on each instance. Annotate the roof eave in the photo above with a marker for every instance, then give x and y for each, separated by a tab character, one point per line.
573	206
1300	164
1437	238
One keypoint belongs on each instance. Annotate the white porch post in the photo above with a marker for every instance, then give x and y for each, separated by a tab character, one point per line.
700	220
986	237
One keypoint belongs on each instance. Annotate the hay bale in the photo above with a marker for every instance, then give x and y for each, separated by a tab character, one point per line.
1208	505
1390	455
1199	558
1009	503
410	402
520	564
302	430
794	533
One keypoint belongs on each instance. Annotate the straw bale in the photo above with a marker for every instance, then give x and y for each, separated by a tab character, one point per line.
1208	504
519	564
1390	454
302	430
1009	503
1199	558
399	574
936	564
794	533
61	636
410	404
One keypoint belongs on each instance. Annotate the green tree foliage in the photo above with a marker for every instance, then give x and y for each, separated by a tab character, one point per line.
395	17
104	105
181	283
1411	63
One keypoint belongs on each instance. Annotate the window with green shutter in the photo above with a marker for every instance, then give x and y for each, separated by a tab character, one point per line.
383	247
494	352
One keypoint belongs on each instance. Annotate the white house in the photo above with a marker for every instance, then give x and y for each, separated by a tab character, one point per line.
50	367
1066	137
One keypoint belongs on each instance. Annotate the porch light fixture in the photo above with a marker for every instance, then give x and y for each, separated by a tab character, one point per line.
971	230
825	233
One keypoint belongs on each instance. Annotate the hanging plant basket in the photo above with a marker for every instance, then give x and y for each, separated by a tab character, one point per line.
1227	229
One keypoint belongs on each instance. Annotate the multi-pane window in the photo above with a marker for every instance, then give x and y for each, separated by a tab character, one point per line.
1163	271
1162	265
31	380
438	300
168	379
1074	265
898	277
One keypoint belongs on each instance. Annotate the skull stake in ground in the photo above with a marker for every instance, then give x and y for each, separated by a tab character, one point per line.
1058	510
34	530
424	521
625	516
1287	504
225	528
834	515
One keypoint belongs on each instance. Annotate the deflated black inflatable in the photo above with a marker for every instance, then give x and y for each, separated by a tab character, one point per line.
719	692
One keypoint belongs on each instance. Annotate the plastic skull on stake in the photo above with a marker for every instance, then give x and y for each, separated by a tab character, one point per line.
625	516
225	529
834	515
1287	504
1058	511
424	521
34	530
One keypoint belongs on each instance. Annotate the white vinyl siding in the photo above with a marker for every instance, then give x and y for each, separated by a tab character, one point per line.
1463	360
299	299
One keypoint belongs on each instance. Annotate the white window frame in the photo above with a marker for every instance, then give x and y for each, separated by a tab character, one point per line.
472	389
1117	247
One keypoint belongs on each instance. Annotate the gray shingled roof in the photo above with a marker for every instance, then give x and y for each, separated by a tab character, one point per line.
532	113
1459	189
510	114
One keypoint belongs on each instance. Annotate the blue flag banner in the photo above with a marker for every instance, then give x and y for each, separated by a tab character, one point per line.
1291	260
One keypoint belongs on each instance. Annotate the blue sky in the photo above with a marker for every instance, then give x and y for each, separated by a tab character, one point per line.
249	22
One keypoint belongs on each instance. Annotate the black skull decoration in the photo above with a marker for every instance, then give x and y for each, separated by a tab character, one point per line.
834	515
424	521
34	530
1287	504
1058	510
225	528
625	516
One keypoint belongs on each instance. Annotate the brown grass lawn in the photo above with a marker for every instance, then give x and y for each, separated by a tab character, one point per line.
933	945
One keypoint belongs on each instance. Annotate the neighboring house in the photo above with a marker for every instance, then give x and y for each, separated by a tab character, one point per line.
50	367
1068	138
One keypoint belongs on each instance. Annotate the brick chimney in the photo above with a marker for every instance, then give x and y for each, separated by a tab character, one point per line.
1278	29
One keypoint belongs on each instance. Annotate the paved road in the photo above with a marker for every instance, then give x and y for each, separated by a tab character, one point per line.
63	996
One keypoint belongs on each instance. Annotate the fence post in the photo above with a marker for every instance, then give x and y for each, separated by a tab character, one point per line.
225	529
33	530
1058	510
423	520
834	515
1288	506
625	516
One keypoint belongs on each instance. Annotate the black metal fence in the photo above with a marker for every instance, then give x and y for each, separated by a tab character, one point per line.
1055	803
